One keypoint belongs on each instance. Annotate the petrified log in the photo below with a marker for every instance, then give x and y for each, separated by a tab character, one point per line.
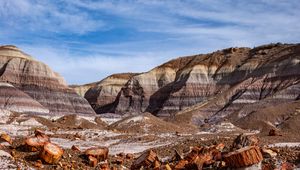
268	153
104	166
51	153
129	156
157	165
40	133
274	132
177	156
100	153
243	157
75	148
92	161
33	144
244	140
167	167
5	137
181	164
146	160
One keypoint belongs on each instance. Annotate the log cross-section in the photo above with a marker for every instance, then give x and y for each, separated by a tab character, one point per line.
243	157
51	153
100	153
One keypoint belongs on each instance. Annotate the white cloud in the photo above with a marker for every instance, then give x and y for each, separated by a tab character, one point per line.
83	69
181	28
41	15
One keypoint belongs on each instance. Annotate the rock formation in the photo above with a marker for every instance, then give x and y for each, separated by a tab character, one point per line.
103	95
28	85
233	83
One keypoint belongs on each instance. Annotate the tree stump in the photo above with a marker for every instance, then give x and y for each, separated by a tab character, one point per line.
51	153
100	153
243	157
33	144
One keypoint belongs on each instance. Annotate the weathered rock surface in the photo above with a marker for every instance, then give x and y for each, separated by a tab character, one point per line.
28	85
239	84
103	95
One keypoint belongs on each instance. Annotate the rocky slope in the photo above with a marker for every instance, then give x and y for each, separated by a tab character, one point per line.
31	86
230	83
102	95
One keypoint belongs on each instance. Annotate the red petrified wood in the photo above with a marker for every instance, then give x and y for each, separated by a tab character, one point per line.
243	157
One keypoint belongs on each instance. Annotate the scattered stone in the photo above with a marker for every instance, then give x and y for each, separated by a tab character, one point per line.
75	148
51	153
166	167
92	161
34	144
181	164
274	132
38	164
101	153
268	153
157	165
104	166
41	134
146	160
5	138
243	157
244	140
177	156
287	166
122	155
119	161
129	156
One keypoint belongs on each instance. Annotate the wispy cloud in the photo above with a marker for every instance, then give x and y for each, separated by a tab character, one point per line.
86	40
46	16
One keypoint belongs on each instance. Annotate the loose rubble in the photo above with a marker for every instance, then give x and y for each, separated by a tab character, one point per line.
70	148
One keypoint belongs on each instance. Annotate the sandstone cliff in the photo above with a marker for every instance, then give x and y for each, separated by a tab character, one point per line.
32	86
226	84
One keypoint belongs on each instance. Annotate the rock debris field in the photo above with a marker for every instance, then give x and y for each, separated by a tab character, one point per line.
137	142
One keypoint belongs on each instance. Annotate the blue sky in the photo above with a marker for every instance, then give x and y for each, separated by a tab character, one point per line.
87	40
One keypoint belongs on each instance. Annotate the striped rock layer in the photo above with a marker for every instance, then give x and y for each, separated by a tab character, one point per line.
213	86
28	85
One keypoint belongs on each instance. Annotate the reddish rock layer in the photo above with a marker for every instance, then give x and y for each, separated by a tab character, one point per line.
39	82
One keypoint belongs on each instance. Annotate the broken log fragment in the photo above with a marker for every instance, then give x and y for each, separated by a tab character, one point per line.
104	166
166	167
41	134
5	138
268	153
92	161
181	164
75	148
51	153
177	156
243	157
33	144
274	132
244	140
129	156
146	160
100	153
